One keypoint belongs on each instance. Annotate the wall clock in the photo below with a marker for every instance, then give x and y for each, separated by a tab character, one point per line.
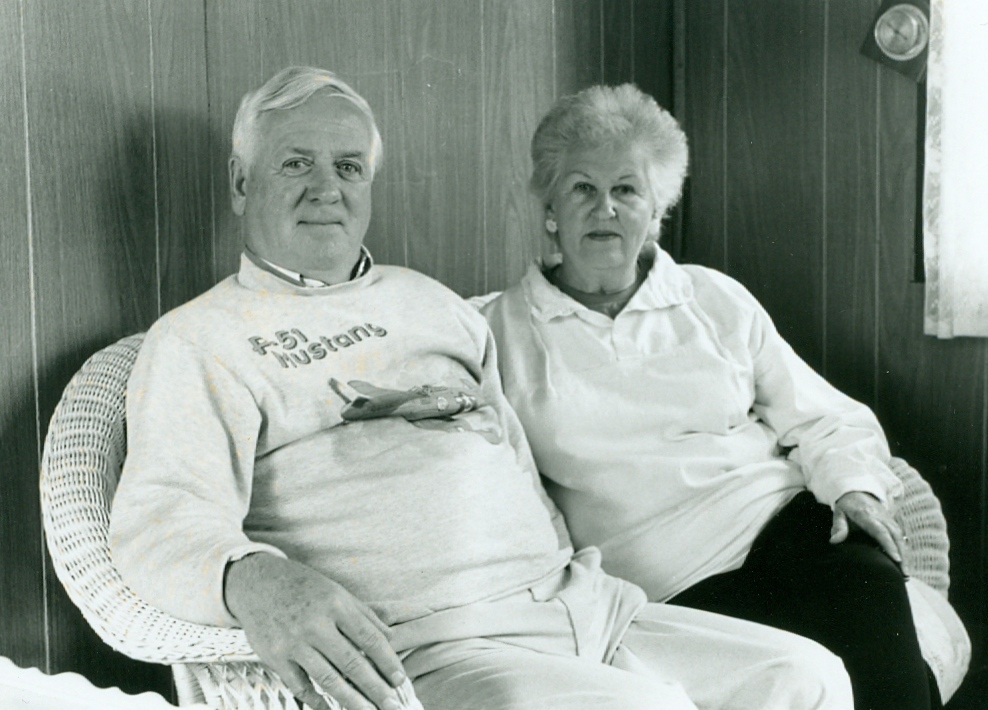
902	32
899	37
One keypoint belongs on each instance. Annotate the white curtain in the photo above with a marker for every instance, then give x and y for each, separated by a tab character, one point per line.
955	200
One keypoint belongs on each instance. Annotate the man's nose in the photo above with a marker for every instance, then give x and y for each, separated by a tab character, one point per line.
323	185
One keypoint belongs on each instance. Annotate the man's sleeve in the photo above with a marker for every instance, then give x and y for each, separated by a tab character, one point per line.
837	441
177	517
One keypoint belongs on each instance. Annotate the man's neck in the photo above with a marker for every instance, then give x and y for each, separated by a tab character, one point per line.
316	280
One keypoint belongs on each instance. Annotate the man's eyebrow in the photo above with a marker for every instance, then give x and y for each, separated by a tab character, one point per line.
352	154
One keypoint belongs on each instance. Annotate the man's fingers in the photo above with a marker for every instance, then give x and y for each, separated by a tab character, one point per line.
344	666
372	617
298	683
370	641
334	683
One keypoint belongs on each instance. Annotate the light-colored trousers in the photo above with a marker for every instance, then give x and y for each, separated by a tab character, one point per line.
588	640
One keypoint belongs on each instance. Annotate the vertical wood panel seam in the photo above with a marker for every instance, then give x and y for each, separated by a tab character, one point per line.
554	43
877	239
404	192
33	300
209	122
154	167
723	137
983	557
484	243
631	40
823	168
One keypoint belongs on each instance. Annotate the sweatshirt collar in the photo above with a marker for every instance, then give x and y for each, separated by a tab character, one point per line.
667	284
261	275
364	262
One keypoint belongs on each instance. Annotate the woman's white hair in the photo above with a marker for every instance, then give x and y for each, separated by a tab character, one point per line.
287	89
610	115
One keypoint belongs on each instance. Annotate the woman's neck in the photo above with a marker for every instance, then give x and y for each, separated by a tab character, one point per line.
602	281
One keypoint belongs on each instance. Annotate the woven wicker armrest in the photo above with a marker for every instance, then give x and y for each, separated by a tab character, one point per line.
83	454
919	513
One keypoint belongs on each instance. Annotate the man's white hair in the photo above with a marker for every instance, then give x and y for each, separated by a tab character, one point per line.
287	89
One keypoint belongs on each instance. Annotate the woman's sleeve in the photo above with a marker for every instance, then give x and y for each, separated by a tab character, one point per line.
515	433
837	441
178	513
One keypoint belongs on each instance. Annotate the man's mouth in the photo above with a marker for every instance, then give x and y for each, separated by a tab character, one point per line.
318	222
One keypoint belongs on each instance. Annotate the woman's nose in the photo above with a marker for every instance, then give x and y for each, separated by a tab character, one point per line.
604	206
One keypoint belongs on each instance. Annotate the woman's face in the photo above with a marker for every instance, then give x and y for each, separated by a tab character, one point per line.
604	207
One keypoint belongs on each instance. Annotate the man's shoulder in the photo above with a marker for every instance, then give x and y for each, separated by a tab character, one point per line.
404	274
219	296
415	282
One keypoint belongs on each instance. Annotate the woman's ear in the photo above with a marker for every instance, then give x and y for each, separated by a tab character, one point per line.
550	220
655	224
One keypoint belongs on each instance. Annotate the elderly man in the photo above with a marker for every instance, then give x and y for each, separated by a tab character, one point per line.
319	452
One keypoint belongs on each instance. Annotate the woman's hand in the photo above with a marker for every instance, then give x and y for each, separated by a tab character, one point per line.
867	512
304	625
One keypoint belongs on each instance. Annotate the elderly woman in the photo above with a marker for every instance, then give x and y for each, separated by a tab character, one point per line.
677	431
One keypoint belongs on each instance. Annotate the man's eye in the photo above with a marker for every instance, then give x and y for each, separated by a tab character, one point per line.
350	169
295	165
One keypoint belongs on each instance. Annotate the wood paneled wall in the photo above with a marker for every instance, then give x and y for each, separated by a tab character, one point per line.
114	134
803	187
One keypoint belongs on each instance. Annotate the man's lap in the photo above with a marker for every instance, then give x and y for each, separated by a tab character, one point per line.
592	642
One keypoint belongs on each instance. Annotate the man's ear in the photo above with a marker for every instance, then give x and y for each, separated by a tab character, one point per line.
238	185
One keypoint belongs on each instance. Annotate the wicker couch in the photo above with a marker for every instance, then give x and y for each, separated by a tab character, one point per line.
83	455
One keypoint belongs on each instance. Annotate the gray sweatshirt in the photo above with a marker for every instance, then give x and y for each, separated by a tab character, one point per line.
359	429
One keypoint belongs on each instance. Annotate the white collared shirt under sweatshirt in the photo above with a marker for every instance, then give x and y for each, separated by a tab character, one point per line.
671	434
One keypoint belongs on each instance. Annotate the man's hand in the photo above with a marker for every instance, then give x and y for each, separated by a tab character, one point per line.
867	512
304	625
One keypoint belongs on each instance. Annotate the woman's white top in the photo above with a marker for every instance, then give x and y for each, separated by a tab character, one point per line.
671	434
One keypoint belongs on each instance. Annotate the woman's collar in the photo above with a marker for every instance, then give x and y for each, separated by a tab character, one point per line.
667	284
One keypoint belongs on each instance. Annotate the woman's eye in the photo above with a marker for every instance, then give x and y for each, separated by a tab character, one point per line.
583	187
625	190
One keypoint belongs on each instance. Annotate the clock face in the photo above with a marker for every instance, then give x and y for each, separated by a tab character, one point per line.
902	32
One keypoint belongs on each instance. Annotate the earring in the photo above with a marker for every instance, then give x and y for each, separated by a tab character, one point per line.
551	226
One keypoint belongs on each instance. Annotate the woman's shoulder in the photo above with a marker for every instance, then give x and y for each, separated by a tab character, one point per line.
711	286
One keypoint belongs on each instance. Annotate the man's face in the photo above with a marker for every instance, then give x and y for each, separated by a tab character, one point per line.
306	200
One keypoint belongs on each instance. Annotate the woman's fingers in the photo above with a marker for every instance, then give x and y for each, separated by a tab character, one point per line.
840	528
868	513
